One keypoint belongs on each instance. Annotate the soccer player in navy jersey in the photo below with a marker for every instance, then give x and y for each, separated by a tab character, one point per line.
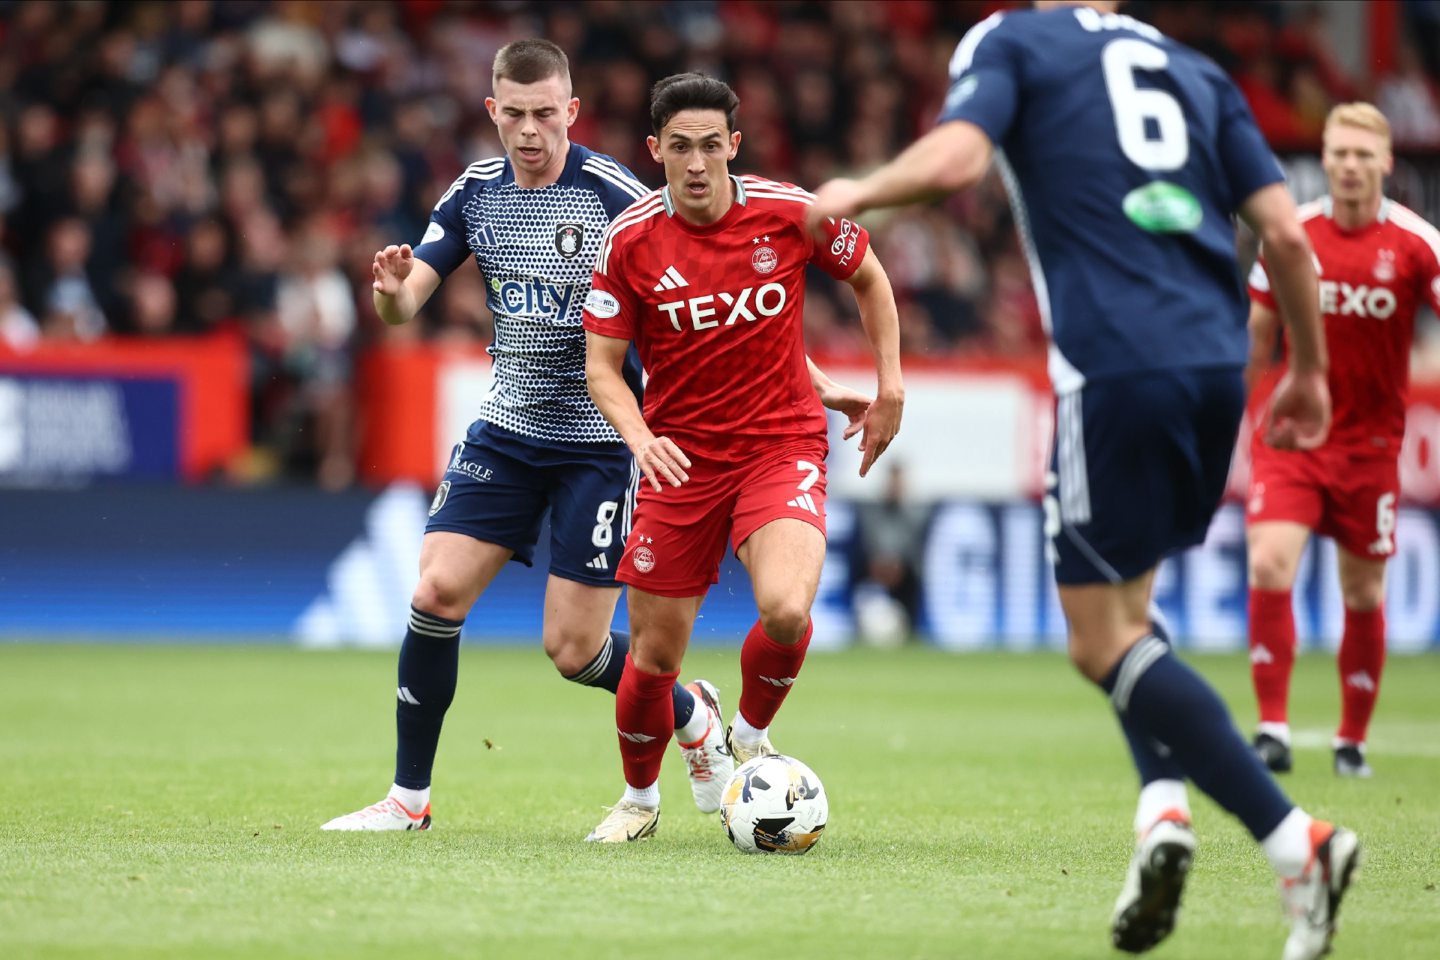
1126	155
532	220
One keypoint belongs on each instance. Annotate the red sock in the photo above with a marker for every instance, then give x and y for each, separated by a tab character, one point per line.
767	670
1362	658
1272	652
644	721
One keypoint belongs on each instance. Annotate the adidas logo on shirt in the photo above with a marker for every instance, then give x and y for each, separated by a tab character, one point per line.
599	563
671	280
804	502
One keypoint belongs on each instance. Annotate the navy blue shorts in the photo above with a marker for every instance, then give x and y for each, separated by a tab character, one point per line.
499	485
1137	470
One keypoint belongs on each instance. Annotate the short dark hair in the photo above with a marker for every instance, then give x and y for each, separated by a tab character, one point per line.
691	91
530	61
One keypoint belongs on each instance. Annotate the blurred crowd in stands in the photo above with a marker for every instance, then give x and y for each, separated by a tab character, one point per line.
174	168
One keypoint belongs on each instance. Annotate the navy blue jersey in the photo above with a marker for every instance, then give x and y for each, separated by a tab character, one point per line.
1126	155
536	248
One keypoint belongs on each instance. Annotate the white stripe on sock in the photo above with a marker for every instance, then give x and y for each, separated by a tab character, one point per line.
1136	662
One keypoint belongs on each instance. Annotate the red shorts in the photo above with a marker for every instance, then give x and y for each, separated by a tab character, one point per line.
677	539
1335	492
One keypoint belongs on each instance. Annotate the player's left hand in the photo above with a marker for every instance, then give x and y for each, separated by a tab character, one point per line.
850	402
836	200
882	423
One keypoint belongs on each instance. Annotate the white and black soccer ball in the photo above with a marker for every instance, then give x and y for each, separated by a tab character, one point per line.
774	804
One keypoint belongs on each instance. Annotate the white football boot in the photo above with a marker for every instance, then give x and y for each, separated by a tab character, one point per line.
708	759
1312	900
1146	909
388	814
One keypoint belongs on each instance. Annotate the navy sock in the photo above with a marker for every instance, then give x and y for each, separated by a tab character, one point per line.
604	671
429	663
1153	760
1164	701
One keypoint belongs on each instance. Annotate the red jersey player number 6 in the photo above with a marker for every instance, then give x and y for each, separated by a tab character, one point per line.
1377	263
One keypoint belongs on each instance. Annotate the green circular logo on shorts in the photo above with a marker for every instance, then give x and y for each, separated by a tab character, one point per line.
1162	207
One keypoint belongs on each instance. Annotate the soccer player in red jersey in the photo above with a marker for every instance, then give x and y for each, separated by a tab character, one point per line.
1377	262
707	277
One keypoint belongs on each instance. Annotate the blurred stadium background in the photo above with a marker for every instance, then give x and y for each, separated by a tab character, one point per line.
206	433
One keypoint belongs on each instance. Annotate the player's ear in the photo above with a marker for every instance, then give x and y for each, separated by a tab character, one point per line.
492	107
572	111
654	146
734	145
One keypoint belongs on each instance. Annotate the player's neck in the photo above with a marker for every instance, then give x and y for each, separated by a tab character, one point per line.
712	212
1356	214
531	181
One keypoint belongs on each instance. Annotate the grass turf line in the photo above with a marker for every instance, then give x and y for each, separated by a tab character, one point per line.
162	802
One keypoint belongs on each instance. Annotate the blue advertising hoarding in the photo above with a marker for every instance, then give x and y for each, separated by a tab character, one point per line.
182	564
59	428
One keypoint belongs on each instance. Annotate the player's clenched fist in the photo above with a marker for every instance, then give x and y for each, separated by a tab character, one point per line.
392	265
658	458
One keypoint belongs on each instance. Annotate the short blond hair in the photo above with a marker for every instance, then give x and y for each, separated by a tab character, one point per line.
1365	116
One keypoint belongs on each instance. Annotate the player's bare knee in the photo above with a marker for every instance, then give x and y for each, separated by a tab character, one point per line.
1094	659
655	654
434	596
1270	570
571	650
1363	597
784	621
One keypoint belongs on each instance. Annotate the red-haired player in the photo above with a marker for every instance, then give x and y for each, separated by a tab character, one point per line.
1377	263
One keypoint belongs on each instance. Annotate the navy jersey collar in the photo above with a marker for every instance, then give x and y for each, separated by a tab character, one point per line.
576	155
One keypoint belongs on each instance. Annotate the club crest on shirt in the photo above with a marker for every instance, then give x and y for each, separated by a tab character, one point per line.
1384	269
764	260
644	559
568	238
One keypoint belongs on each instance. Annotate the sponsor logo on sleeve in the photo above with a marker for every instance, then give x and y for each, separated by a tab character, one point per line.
601	304
432	233
961	92
843	247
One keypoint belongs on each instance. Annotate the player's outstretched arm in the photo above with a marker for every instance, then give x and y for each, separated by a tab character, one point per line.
840	398
881	320
402	283
657	457
953	156
1300	407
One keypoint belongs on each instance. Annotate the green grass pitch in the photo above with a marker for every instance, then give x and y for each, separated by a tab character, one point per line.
162	802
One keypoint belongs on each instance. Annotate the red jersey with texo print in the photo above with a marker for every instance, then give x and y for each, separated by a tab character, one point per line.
716	312
1372	280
